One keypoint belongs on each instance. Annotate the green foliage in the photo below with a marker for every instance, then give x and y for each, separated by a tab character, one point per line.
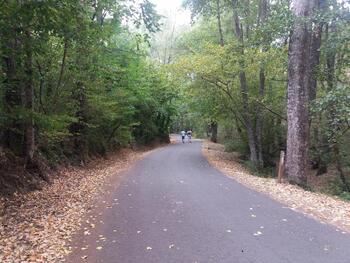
236	146
265	172
211	83
94	87
336	187
213	87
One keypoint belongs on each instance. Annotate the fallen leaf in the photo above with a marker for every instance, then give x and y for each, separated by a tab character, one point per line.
258	233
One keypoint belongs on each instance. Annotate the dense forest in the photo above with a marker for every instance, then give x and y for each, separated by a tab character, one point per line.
76	82
83	78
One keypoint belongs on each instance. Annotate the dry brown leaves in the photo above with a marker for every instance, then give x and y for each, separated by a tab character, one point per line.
37	227
322	207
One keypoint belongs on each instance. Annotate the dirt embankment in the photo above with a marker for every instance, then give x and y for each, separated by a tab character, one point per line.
327	209
37	226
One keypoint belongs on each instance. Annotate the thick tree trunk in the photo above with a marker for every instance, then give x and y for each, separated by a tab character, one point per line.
298	94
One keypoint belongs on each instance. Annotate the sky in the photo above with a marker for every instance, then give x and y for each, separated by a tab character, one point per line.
173	8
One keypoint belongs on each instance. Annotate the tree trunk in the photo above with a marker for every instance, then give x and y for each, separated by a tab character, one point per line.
339	166
315	52
78	128
259	119
29	100
221	34
63	64
248	120
12	95
244	88
298	94
214	131
262	80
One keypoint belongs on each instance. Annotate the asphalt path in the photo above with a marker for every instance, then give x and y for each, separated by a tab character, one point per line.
173	206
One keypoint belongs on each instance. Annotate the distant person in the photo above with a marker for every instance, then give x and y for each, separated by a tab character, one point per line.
183	134
189	136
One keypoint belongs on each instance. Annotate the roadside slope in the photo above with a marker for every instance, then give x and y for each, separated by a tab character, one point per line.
37	227
327	209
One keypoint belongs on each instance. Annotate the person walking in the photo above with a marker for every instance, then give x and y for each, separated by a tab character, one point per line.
183	134
189	136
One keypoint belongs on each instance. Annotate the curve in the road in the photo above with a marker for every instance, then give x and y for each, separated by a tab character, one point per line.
173	207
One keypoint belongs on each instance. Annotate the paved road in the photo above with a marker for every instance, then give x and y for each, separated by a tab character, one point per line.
174	207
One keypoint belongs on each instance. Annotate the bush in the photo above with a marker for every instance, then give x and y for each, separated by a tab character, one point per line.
236	146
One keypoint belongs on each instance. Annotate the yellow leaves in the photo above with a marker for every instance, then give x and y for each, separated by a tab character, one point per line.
211	60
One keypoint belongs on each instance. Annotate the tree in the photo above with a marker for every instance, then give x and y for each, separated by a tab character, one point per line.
75	81
299	74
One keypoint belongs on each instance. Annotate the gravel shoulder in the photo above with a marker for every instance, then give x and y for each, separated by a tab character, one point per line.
324	208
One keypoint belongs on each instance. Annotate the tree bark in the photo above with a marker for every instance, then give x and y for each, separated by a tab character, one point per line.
315	52
221	34
29	100
262	79
259	119
298	94
316	40
214	131
63	64
12	94
244	87
78	128
339	166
